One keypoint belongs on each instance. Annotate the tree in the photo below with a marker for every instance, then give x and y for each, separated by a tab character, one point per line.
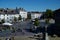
47	21
2	21
29	16
49	13
15	19
19	18
36	22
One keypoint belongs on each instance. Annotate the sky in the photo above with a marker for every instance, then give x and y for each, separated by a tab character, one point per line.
31	5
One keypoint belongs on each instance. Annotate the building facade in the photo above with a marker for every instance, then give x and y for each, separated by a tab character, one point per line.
36	15
9	14
23	14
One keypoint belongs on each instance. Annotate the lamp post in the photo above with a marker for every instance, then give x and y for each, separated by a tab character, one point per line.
46	34
48	22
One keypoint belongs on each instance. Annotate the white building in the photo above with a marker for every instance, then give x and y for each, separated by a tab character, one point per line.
23	13
9	14
36	15
9	17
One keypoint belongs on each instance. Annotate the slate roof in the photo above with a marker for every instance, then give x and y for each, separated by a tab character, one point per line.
8	12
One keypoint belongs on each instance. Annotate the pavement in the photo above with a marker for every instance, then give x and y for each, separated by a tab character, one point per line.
18	38
54	38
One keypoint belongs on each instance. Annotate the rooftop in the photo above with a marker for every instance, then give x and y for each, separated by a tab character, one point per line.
11	11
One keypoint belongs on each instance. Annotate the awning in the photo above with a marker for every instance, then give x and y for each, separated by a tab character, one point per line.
7	24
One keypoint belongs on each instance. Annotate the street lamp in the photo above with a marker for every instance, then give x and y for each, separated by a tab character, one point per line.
46	34
48	22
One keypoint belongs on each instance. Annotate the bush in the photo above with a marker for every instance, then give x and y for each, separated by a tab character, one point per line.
36	22
2	20
19	18
15	19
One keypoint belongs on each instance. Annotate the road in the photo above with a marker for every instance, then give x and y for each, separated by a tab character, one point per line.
22	25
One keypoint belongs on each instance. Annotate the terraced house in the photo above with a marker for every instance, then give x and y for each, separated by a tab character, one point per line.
35	14
9	14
